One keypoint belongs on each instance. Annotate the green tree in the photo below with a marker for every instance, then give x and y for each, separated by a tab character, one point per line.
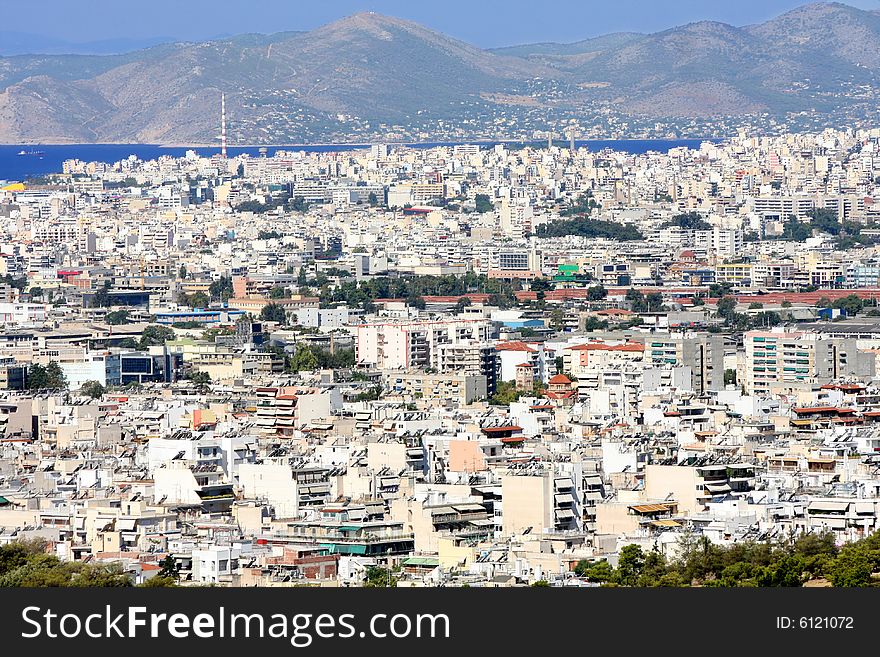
197	300
599	571
303	360
825	221
726	306
596	293
851	304
273	312
559	362
116	317
851	568
156	335
505	394
277	292
654	302
587	227
50	377
483	203
689	221
540	285
720	289
298	204
221	289
102	296
92	389
201	379
158	581
372	199
630	563
795	230
378	577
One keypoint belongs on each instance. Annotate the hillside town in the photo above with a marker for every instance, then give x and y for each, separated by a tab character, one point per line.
460	365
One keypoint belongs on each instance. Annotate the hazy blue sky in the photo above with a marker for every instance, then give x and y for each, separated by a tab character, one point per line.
482	22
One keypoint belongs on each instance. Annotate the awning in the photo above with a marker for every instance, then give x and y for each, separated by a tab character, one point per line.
650	508
666	523
865	508
468	508
831	523
564	514
718	488
823	507
564	498
482	522
428	562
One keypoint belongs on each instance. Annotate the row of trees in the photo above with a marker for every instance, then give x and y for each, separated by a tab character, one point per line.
28	564
688	221
594	228
847	234
287	204
584	204
790	562
506	393
308	359
363	293
645	303
48	377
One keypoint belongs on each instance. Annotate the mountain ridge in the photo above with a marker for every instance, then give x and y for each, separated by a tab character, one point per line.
368	75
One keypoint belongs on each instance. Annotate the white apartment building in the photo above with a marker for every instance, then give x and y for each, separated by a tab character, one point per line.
414	344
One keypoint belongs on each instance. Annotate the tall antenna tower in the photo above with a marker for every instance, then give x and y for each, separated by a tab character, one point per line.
572	133
223	124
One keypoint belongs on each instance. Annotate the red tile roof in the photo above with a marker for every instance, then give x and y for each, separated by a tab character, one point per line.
514	345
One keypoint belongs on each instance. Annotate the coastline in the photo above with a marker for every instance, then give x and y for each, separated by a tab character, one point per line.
358	144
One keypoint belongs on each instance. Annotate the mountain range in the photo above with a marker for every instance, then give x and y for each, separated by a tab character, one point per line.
368	74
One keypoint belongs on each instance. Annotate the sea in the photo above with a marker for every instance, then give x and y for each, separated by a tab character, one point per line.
48	158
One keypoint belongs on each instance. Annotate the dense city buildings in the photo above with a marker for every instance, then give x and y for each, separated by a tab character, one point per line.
453	365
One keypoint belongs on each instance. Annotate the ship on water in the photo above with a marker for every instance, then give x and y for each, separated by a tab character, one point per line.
32	153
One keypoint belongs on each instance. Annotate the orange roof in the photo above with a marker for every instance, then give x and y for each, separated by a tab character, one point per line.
559	379
514	345
600	346
650	508
822	409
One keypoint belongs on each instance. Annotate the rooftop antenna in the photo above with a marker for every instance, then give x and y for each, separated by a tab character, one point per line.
223	124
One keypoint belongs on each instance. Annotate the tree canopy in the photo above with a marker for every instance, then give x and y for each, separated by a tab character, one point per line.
586	227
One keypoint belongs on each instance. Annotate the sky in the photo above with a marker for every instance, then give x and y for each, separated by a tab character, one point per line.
485	23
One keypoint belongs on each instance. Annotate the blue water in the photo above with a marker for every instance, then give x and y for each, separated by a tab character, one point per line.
20	167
